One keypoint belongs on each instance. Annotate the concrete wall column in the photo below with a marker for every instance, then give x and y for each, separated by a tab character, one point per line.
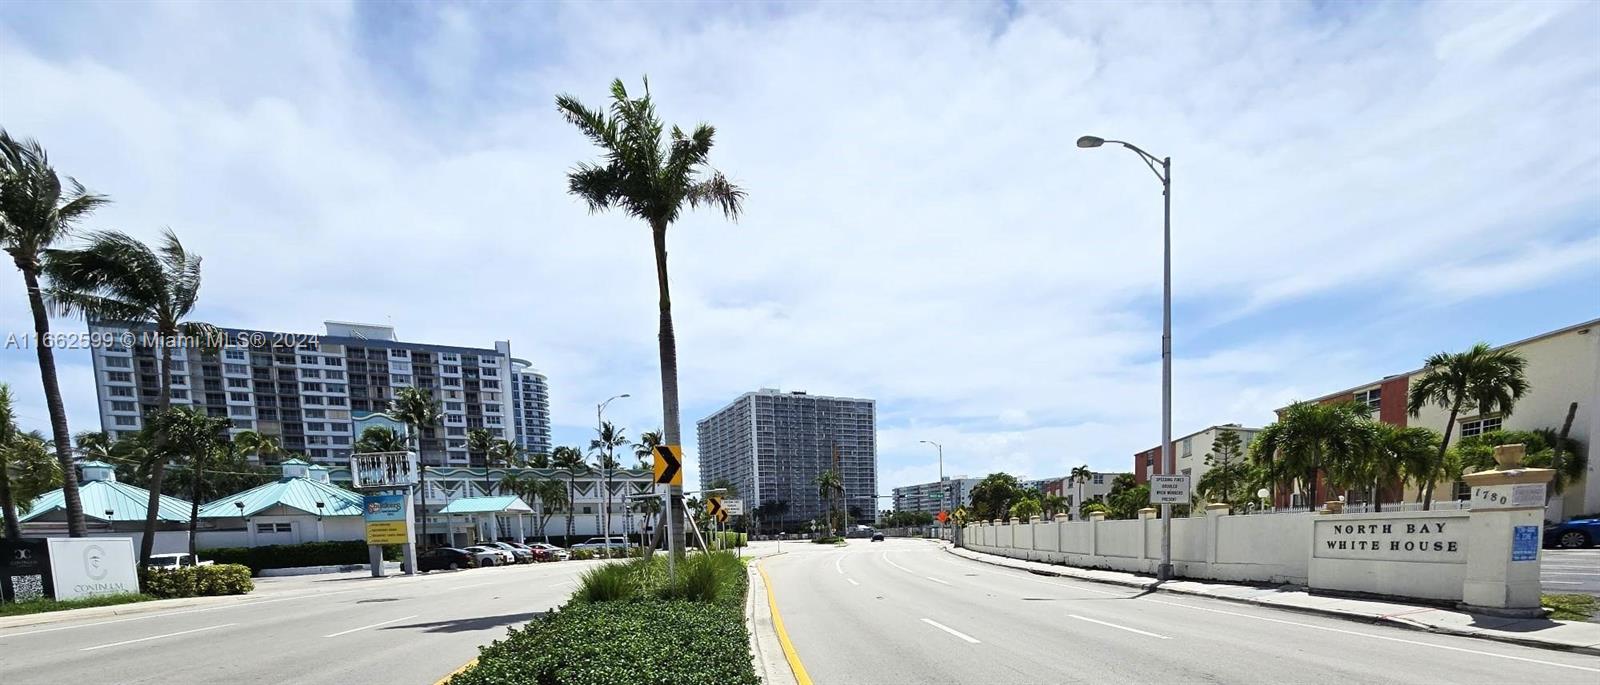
1146	515
1507	502
1095	517
1214	515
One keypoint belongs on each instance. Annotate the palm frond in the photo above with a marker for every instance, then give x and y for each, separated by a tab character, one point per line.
718	192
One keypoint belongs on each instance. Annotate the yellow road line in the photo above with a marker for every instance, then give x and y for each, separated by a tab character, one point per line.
783	635
446	680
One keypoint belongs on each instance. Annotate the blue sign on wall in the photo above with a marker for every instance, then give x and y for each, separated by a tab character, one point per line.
1525	543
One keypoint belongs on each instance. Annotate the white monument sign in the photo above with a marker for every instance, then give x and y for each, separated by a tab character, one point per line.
87	567
1517	496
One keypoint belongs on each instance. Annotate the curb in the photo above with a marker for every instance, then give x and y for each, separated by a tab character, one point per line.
446	680
45	617
1155	586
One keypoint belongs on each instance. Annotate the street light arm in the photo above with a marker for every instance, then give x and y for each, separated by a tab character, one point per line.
1150	160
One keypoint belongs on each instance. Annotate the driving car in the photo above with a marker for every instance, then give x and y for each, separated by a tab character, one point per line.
176	560
446	558
877	537
544	551
617	543
1574	534
518	555
490	556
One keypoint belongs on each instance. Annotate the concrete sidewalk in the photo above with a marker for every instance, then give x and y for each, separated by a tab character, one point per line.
1574	636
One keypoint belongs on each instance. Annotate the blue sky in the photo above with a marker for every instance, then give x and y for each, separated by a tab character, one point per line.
1356	185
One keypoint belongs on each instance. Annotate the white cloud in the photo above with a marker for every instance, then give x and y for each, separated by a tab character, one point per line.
920	228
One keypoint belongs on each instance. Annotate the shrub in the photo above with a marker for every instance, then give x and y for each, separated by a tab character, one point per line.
728	539
828	540
608	583
716	577
197	581
37	606
581	554
336	553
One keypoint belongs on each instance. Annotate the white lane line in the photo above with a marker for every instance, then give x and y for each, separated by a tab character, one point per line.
1561	582
836	565
1065	586
463	587
1377	637
936	580
852	581
155	637
383	623
891	563
177	613
1566	573
950	630
1113	625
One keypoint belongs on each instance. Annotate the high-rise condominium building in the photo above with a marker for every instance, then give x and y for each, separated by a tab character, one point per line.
530	407
311	391
772	446
931	498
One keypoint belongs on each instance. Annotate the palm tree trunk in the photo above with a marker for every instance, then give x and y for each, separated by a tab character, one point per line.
572	503
158	466
194	502
1444	445
8	508
52	398
669	385
422	499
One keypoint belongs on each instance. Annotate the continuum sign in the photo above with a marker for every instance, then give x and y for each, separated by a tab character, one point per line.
86	567
385	516
1434	539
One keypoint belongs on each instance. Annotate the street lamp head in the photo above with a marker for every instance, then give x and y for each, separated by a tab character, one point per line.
624	395
1091	141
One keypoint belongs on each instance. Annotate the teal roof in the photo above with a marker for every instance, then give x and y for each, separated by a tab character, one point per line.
125	502
486	505
100	464
296	493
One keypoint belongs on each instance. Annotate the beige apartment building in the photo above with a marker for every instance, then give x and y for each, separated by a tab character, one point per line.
1191	451
1563	368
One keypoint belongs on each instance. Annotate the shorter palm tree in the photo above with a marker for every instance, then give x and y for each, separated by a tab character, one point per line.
27	469
376	439
829	487
418	410
1491	379
569	459
552	496
186	434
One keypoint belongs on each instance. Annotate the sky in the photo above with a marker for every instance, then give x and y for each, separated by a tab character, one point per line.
1355	186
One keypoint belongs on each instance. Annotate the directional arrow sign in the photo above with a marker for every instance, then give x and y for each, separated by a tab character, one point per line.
713	505
722	517
669	465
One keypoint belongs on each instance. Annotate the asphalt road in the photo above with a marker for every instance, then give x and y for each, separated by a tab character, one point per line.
1570	571
903	611
311	630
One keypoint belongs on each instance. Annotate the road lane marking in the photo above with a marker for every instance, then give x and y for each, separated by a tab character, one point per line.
852	581
383	623
1113	625
891	563
1562	582
155	637
463	587
836	565
936	580
1568	573
177	613
1376	637
789	654
951	631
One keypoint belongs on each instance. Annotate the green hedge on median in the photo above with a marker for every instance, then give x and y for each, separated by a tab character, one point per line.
630	625
197	581
336	553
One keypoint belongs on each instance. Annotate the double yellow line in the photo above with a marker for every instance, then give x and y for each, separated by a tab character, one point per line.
783	635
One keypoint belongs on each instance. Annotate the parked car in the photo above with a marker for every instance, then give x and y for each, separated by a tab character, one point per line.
490	556
544	551
877	537
446	558
176	560
518	555
1574	534
616	543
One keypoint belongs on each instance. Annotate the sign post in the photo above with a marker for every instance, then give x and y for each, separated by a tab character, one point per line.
669	472
388	508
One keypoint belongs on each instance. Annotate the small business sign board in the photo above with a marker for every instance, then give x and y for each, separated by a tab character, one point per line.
24	570
1525	542
385	516
88	567
1519	496
1169	489
383	470
734	507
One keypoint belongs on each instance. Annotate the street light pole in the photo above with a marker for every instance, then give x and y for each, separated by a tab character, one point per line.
1168	459
944	489
605	471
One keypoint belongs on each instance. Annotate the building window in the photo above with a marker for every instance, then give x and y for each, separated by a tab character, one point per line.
339	427
315	414
314	426
452	406
310	373
274	528
491	384
491	371
240	411
1370	397
1188	446
311	387
333	375
235	354
335	387
119	376
177	394
333	361
400	354
1479	426
235	368
336	401
1099	479
1462	490
239	397
455	430
313	400
119	362
127	420
124	406
121	392
238	382
450	357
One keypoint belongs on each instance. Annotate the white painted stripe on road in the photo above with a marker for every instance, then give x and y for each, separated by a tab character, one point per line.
951	631
836	565
1065	586
936	580
155	637
464	587
1113	625
384	623
891	563
852	581
1561	582
1567	573
177	613
1376	637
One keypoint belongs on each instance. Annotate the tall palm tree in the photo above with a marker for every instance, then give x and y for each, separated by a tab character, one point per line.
93	445
36	212
1080	476
571	460
829	485
266	445
1492	380
417	409
479	442
608	437
537	460
1309	440
552	496
375	439
26	468
117	278
187	434
652	182
645	449
1402	453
